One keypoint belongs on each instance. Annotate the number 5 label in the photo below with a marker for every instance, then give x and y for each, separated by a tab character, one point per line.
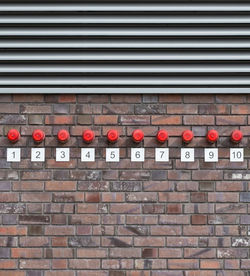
137	155
13	155
62	154
161	155
187	155
37	155
112	155
236	155
211	155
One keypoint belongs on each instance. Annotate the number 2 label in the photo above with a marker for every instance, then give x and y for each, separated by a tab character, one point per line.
37	155
62	154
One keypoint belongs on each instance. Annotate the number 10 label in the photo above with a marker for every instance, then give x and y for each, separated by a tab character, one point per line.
37	155
187	155
62	154
236	155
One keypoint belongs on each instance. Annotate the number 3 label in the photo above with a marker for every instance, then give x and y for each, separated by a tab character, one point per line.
112	155
37	155
211	155
237	155
187	155
137	155
62	154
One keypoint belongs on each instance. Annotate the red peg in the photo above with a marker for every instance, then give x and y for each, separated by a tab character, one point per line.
162	136
88	136
38	135
13	135
112	135
187	136
212	136
137	135
63	136
236	136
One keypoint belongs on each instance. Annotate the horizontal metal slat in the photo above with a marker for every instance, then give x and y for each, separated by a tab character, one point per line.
125	56
124	7
133	68
163	31
112	81
128	19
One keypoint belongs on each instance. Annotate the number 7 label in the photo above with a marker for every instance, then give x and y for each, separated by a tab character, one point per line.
37	155
161	155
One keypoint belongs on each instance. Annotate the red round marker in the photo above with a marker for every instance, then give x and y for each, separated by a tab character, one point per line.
187	136
212	136
112	135
162	136
137	135
88	136
63	136
38	135
13	135
236	136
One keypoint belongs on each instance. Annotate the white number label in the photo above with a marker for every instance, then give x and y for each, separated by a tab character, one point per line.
236	155
211	155
62	154
161	155
37	155
88	155
13	155
137	155
187	155
112	155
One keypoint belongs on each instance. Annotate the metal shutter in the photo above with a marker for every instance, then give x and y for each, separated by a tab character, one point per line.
121	44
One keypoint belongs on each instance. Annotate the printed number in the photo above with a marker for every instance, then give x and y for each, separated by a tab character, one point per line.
137	154
38	154
63	154
14	155
187	155
211	155
112	155
161	155
88	154
236	155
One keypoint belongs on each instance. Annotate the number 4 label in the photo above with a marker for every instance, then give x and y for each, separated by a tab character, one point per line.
88	155
187	155
37	155
236	155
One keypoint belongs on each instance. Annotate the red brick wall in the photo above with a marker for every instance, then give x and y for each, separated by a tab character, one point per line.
117	219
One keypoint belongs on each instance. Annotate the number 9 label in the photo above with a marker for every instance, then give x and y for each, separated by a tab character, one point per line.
211	155
236	155
62	154
137	155
112	155
187	155
37	155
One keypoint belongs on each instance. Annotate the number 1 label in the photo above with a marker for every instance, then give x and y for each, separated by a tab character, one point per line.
62	154
236	155
13	155
211	155
187	155
37	155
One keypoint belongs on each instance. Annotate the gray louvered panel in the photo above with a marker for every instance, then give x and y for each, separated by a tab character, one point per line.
124	43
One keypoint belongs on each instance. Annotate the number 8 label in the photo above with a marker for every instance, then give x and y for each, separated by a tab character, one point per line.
37	155
62	154
187	155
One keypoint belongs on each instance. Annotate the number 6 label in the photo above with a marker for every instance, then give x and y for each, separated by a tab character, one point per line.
137	155
62	154
112	155
187	155
237	155
211	155
37	155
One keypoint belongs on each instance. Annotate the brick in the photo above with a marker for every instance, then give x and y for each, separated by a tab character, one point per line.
200	99
59	120
26	253
231	120
134	120
166	120
106	119
84	264
198	120
60	185
183	264
199	219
